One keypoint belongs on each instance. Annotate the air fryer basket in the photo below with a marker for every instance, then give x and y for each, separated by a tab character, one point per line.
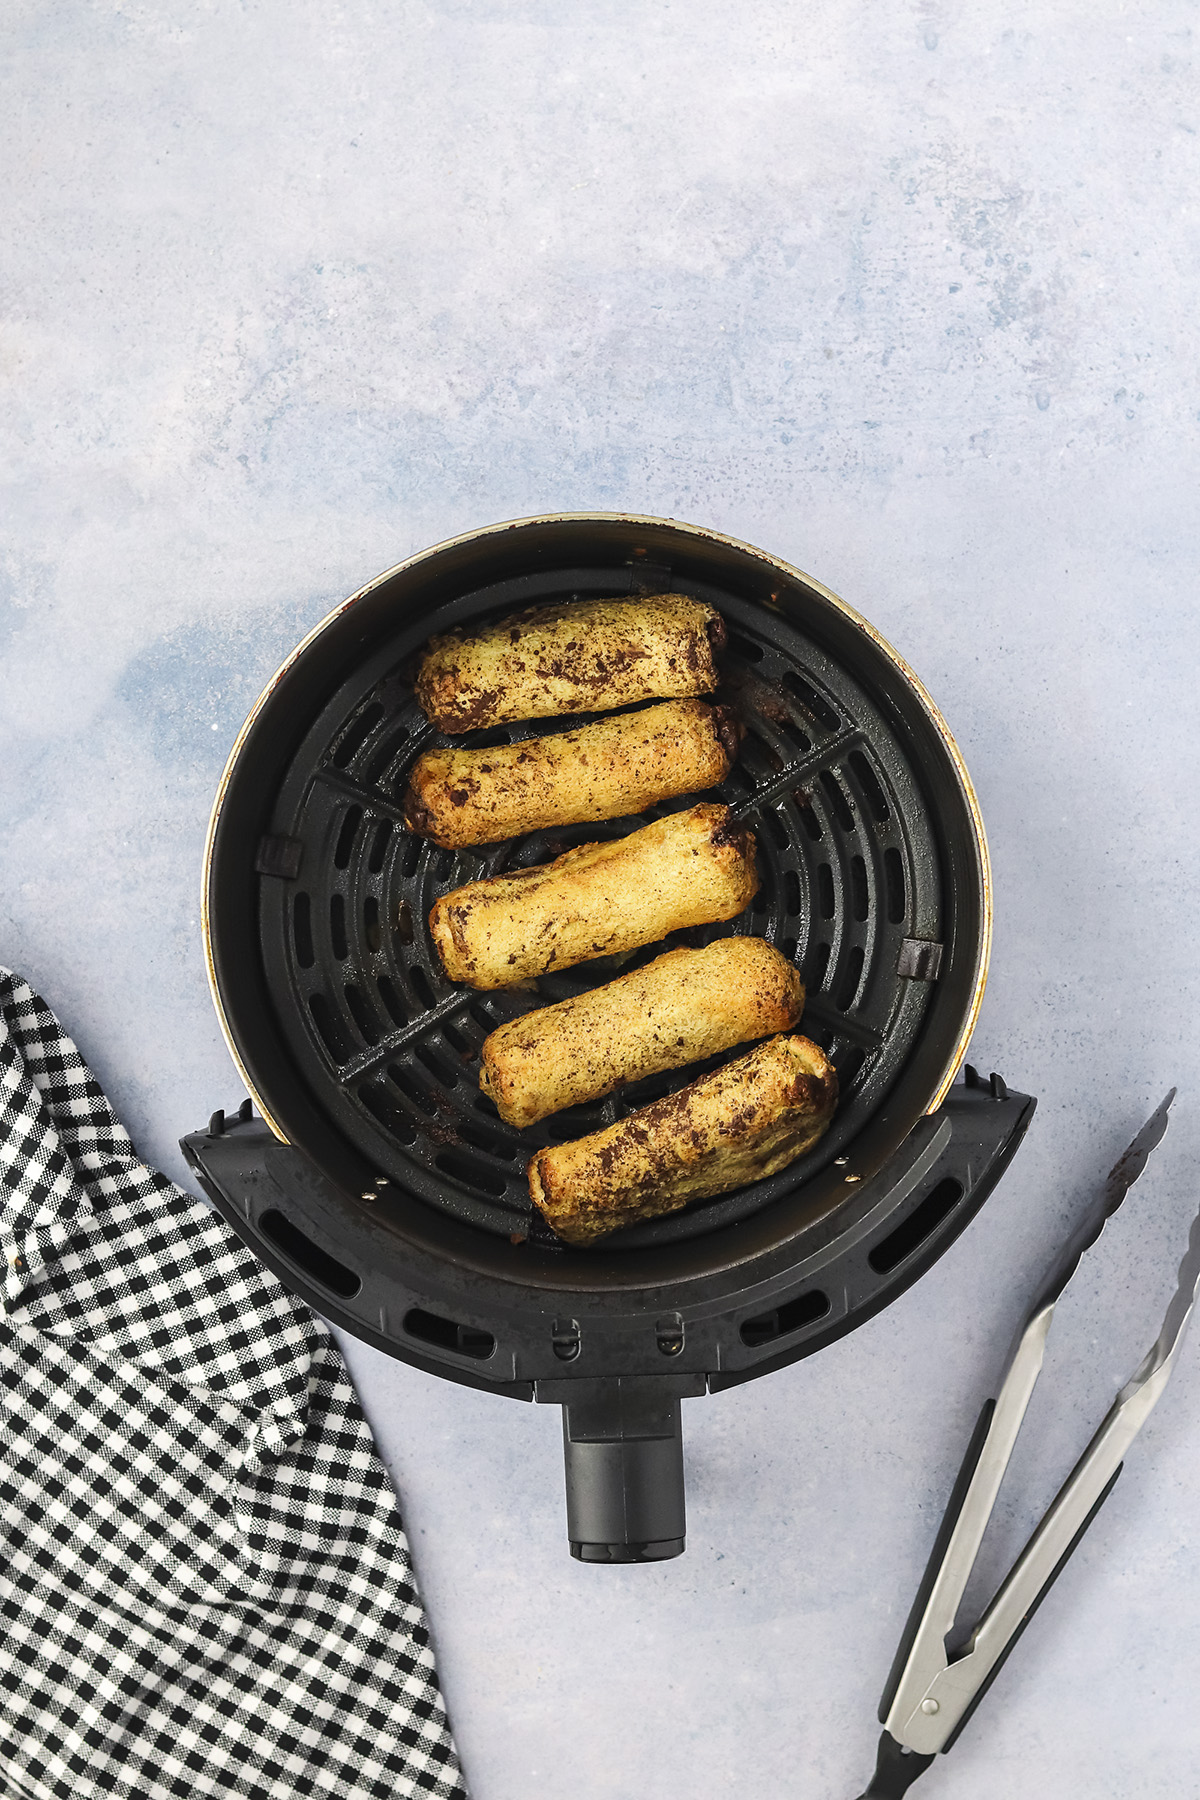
383	1157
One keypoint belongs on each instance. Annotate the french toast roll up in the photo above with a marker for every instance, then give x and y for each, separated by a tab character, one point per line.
691	868
680	1008
742	1122
616	766
576	656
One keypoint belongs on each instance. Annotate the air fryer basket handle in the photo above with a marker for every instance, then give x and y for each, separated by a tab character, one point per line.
624	1468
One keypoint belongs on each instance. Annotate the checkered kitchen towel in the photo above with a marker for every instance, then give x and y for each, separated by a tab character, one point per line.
205	1586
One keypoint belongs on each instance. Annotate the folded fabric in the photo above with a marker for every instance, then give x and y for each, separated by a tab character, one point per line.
206	1588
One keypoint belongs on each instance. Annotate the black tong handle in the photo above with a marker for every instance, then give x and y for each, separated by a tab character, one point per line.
895	1770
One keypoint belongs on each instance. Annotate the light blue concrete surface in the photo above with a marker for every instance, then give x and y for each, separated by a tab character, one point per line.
905	294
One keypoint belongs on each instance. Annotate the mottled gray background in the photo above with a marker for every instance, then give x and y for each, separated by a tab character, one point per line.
903	293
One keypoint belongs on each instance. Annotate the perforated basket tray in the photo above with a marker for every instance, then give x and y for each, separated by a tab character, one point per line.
847	856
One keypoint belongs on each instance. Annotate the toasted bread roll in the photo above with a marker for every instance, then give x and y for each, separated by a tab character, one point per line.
581	656
691	868
602	771
680	1008
749	1119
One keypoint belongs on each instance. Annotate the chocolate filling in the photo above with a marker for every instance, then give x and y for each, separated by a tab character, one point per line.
731	832
728	730
417	816
715	632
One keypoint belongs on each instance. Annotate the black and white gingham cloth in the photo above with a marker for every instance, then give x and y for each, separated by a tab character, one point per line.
205	1586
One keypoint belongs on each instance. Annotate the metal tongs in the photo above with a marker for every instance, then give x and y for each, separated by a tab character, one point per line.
932	1691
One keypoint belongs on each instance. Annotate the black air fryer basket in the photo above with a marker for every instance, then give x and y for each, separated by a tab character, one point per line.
378	1181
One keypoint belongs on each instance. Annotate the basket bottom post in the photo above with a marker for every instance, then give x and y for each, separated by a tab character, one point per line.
623	1446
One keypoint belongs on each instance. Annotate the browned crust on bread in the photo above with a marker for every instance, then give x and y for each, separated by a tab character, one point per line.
597	900
581	656
682	1007
614	767
739	1124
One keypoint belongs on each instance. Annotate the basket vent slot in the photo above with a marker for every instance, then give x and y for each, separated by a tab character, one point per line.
391	999
334	1035
810	822
471	1172
299	1248
842	810
361	1013
371	929
850	978
805	1309
421	987
357	735
745	648
380	1105
471	1133
337	926
346	836
868	781
384	757
412	1090
921	1222
814	705
893	871
448	1334
860	899
440	1067
302	930
379	844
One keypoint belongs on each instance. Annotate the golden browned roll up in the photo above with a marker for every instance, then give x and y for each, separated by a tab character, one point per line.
749	1119
581	656
691	868
602	771
680	1008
